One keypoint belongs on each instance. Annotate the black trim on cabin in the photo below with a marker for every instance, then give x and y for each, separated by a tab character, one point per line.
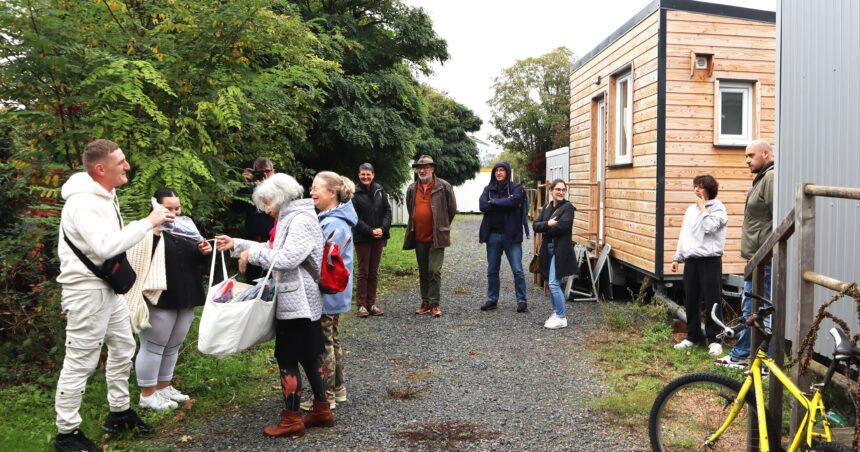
661	147
692	6
639	17
732	146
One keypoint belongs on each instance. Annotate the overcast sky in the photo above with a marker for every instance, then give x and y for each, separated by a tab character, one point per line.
486	36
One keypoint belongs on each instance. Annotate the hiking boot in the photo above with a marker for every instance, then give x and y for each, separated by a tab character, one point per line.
375	311
308	405
320	416
157	402
732	363
489	306
522	306
126	421
290	425
362	312
173	394
684	345
339	394
424	309
74	442
715	349
435	311
555	322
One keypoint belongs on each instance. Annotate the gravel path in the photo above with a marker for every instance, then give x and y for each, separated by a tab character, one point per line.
466	381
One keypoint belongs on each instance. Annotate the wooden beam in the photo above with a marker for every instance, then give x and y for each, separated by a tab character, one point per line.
781	233
804	261
779	273
832	192
830	283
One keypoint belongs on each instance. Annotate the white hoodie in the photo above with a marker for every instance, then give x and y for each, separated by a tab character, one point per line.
91	218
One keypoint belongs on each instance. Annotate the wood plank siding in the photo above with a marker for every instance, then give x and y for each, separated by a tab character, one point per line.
739	49
630	200
742	50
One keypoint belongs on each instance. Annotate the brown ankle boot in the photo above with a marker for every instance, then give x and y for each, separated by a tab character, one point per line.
320	416
290	425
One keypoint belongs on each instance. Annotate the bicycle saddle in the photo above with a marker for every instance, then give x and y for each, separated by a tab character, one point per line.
844	348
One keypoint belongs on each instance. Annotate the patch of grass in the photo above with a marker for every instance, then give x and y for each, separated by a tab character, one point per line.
448	435
421	375
398	265
634	348
402	393
27	411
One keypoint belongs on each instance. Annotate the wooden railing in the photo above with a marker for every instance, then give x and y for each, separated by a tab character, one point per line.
800	219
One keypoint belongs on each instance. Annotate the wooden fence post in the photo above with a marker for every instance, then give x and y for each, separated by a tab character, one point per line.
777	345
804	260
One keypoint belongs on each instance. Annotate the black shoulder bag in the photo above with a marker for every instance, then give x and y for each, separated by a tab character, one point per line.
116	271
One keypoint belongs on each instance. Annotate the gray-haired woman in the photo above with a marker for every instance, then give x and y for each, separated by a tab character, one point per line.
296	255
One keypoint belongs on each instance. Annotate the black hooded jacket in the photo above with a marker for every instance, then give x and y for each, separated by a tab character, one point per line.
374	211
505	207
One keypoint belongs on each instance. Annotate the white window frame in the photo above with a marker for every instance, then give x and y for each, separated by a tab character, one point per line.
623	156
746	89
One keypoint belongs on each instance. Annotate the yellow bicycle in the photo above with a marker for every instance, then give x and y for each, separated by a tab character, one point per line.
708	411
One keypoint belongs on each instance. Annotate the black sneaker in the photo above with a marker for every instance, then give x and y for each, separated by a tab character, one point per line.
126	421
74	442
522	306
489	306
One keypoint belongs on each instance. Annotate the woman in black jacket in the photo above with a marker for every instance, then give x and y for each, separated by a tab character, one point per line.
556	252
369	236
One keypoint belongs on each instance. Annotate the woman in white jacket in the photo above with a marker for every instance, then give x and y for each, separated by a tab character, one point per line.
700	248
296	255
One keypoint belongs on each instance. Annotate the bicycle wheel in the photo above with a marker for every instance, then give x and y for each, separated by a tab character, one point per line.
692	407
830	447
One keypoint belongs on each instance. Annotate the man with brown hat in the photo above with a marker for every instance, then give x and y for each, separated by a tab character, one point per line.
432	206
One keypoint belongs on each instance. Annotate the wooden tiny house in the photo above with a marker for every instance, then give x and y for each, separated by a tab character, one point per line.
677	91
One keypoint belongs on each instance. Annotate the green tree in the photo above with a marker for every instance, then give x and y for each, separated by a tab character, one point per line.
531	107
444	138
374	110
188	88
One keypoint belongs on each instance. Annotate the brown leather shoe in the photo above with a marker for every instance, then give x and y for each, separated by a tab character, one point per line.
424	309
435	311
290	425
362	312
320	416
375	311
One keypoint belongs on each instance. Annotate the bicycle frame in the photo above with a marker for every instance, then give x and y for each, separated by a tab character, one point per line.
814	406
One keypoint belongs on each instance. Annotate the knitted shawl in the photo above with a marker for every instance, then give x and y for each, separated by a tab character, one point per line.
151	280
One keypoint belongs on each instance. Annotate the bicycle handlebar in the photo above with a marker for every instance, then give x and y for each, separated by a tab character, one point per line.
753	319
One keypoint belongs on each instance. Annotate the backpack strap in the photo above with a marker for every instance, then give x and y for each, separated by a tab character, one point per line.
83	257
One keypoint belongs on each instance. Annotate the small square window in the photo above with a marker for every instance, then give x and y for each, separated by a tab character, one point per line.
734	113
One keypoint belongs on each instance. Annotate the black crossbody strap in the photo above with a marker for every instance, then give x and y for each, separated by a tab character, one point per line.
83	257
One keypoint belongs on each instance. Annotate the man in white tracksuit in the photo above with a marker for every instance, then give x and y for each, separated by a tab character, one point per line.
95	314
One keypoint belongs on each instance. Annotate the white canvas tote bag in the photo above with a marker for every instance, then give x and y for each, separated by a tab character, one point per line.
232	327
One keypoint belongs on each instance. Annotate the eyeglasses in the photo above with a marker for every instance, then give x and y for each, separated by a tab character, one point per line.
560	190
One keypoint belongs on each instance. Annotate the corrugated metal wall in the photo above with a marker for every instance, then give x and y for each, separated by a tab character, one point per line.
818	134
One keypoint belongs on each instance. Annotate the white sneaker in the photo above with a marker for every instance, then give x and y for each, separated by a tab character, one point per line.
715	349
551	319
172	393
157	402
556	322
684	345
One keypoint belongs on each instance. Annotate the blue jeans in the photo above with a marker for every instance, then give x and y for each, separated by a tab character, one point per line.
555	292
496	245
742	347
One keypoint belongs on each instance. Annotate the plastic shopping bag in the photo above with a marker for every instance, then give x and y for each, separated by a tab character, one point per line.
227	328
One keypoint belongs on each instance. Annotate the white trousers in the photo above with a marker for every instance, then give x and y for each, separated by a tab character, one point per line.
93	318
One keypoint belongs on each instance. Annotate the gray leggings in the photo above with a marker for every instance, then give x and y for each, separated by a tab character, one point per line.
159	345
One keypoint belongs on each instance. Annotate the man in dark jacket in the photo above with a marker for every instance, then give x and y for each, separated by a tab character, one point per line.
431	204
503	202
